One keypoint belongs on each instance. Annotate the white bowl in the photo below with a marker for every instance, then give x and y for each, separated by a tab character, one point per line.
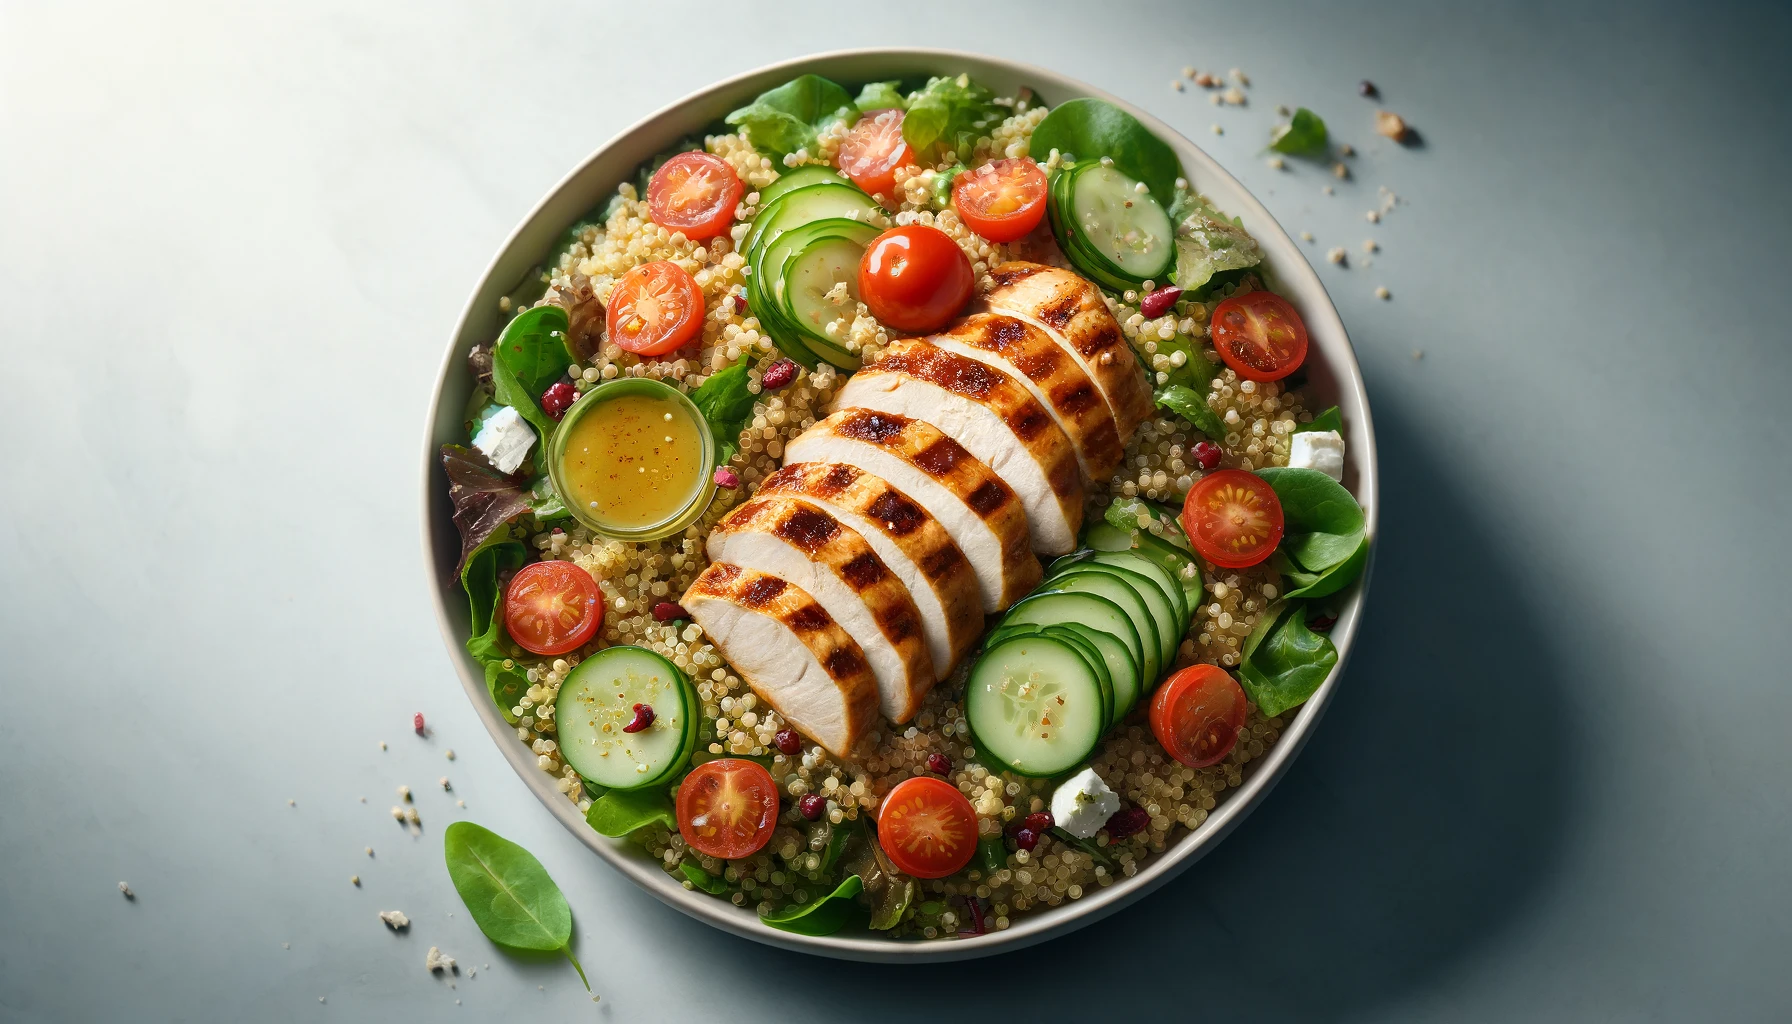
1333	377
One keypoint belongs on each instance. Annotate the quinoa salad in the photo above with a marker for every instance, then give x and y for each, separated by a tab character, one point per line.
899	509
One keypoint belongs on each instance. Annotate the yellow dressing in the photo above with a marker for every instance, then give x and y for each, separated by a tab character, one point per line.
632	461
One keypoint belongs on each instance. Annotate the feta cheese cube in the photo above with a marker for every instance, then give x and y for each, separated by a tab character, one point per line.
436	960
1083	803
1318	449
395	919
505	438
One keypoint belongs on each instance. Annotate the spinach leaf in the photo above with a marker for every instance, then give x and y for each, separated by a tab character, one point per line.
529	357
1088	129
880	96
1324	582
702	879
783	120
1207	243
1192	406
620	812
991	854
1330	419
1284	661
893	902
824	916
500	553
508	892
727	405
1303	135
1324	524
485	500
949	115
544	501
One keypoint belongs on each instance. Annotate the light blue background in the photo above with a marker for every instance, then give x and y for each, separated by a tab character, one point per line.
233	241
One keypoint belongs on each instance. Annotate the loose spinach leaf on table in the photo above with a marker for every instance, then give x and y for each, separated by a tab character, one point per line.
1192	406
1324	524
508	892
783	120
1303	135
1330	419
702	879
1207	243
1090	129
727	405
949	115
1284	661
620	812
880	96
529	357
824	916
485	500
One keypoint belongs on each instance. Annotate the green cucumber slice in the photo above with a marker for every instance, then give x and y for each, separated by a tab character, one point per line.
805	205
598	699
790	181
1139	611
1120	223
1035	704
813	273
773	265
1050	608
1165	621
1168	581
1123	671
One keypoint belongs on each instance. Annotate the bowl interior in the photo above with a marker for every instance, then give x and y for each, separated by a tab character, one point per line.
1333	376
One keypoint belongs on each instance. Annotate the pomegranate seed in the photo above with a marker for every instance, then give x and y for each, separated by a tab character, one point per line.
1026	839
726	477
1208	454
417	722
666	611
555	400
1127	822
811	805
1039	821
1159	302
778	374
1323	623
643	719
740	302
788	741
938	763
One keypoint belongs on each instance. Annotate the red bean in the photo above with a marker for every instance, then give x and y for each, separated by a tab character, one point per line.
1159	302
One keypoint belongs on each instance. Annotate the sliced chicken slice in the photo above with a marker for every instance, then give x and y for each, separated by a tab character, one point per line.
982	514
909	540
1059	383
994	418
807	546
1072	310
793	655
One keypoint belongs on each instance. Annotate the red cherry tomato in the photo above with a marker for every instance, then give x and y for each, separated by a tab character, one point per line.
872	151
1260	335
656	308
727	808
926	827
1001	201
552	607
1233	518
695	193
915	278
1197	715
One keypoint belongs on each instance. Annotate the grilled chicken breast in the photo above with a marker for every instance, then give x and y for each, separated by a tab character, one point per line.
807	546
909	540
982	514
1072	310
1056	380
790	651
994	418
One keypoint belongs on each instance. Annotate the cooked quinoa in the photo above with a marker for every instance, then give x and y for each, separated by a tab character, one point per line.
634	577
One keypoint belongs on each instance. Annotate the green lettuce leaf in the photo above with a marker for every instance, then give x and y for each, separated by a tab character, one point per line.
1192	406
1089	129
949	115
880	96
1207	243
727	405
783	120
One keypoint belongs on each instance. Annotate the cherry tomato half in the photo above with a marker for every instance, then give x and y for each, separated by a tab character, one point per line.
727	808
1233	518
871	152
1001	201
656	308
1260	335
926	827
552	607
915	278
1197	715
695	193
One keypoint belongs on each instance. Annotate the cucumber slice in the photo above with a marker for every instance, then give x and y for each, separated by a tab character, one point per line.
773	265
598	699
805	205
1049	608
1102	536
790	181
1172	558
1082	638
1123	671
810	276
1162	615
1035	704
1139	611
1120	223
1170	583
771	318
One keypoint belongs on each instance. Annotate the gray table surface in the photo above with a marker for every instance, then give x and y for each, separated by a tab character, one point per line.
233	240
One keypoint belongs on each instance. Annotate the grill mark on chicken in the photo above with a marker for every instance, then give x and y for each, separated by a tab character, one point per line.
871	427
762	591
842	661
807	528
807	619
1059	312
899	515
722	575
944	562
939	458
969	378
864	571
1012	273
989	497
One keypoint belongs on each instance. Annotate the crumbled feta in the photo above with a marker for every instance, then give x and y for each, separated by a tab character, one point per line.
436	960
1083	803
505	439
1318	449
126	889
395	919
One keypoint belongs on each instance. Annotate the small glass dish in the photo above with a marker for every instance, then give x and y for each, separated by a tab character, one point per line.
685	512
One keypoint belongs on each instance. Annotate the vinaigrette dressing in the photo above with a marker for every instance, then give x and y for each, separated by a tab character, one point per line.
633	460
